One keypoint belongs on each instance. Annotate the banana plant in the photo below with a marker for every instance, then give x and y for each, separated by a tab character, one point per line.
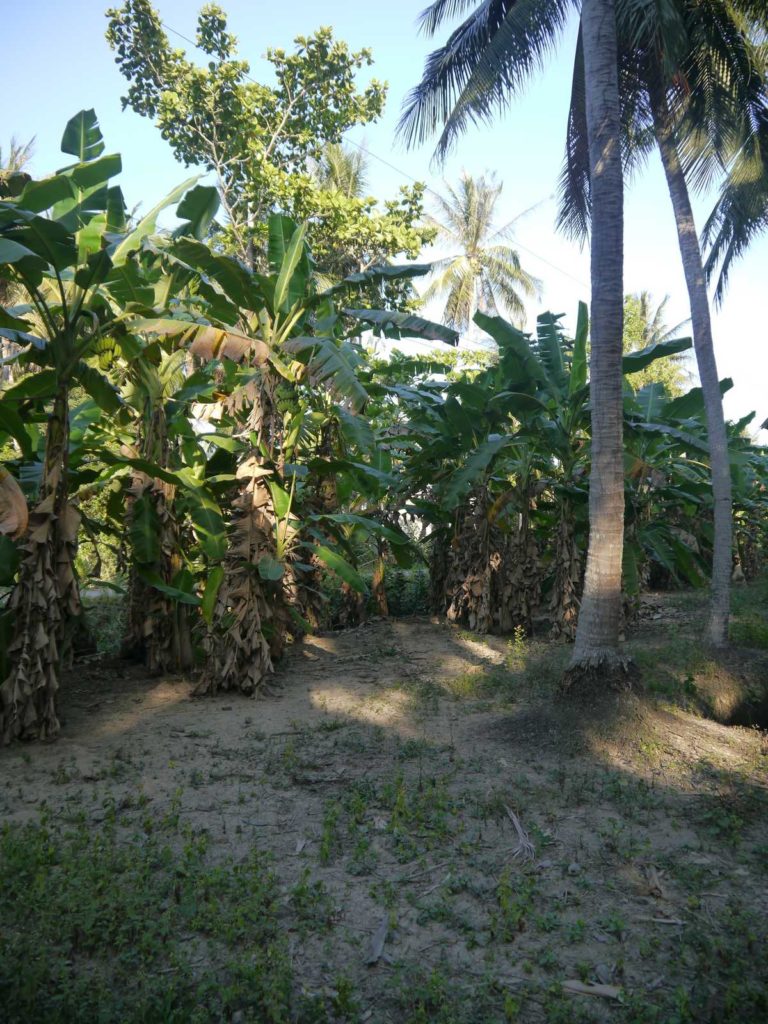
670	531
479	471
749	470
59	263
174	522
294	359
60	239
503	460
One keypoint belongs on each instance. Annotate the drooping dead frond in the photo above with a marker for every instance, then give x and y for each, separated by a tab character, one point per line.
14	514
489	578
45	600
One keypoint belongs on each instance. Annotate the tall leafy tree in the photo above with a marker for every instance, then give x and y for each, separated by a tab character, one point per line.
263	141
484	272
481	67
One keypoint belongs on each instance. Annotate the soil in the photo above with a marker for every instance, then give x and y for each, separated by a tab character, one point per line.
465	825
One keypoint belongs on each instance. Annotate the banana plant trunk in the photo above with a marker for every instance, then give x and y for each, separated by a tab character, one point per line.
487	579
690	251
378	583
251	618
159	628
597	660
46	598
564	601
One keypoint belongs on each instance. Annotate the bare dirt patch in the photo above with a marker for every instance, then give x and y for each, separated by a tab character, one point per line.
388	784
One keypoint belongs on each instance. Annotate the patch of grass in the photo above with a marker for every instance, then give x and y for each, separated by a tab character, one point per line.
412	749
311	904
725	952
750	631
440	998
669	667
724	817
94	926
364	858
634	796
514	902
424	807
423	697
329	838
620	840
496	683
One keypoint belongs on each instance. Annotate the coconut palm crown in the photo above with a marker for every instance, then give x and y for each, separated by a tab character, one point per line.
484	272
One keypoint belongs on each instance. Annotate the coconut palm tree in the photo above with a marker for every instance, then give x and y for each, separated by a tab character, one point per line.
645	324
475	74
343	170
483	273
12	179
652	326
692	84
15	160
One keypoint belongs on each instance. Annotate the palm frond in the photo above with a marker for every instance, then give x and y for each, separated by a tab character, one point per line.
526	35
506	230
509	282
343	170
462	300
482	65
18	156
452	270
432	17
483	274
575	200
720	90
741	211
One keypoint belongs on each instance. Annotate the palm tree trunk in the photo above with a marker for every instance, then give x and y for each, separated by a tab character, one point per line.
597	659
722	557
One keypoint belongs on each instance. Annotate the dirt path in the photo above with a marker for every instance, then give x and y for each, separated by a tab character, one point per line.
389	780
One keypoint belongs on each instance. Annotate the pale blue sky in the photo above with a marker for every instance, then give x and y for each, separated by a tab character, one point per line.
65	64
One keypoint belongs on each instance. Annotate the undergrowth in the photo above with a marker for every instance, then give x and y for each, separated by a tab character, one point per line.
99	926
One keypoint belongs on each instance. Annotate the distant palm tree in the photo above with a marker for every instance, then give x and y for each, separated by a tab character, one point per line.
645	325
484	273
19	154
652	327
12	180
343	170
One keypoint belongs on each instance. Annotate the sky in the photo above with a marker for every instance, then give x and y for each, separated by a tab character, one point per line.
65	65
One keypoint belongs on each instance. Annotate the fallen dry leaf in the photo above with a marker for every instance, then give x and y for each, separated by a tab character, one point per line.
592	989
655	887
378	939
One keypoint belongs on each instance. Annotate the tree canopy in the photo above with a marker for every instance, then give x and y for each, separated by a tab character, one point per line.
261	140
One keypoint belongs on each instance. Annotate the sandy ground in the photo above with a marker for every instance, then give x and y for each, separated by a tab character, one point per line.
387	772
